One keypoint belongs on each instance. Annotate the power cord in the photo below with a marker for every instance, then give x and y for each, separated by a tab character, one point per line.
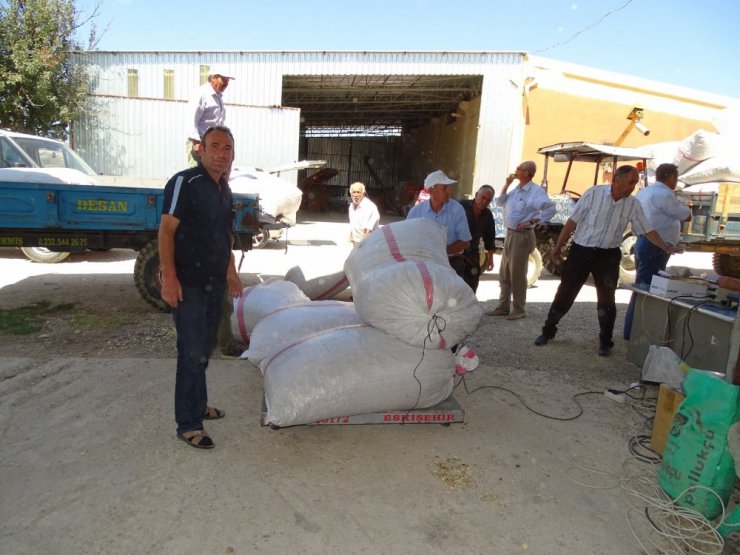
526	406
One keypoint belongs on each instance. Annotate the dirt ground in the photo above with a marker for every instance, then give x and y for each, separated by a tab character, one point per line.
90	462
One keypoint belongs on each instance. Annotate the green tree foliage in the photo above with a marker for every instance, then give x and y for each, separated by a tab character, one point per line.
41	89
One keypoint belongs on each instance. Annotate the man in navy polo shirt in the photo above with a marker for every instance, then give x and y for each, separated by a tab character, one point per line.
198	268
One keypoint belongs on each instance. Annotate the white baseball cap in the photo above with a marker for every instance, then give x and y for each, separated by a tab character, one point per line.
222	70
437	178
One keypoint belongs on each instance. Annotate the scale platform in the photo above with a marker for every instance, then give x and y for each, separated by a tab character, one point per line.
447	412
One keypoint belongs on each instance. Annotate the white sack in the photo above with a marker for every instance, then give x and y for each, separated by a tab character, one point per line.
698	147
258	301
719	168
318	287
292	323
352	370
421	303
416	239
663	153
277	197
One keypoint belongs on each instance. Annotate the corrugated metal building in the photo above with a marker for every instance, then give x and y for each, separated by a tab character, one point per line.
428	110
384	118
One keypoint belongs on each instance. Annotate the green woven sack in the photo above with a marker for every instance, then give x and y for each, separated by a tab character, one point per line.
696	451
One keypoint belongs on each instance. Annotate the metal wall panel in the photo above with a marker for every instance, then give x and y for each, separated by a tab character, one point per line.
146	137
259	83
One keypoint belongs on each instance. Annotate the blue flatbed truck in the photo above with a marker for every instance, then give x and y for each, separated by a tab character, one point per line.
55	219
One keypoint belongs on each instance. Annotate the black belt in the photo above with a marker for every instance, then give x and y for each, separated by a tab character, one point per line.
519	230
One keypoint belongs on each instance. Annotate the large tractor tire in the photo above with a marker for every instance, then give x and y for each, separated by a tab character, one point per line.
40	254
146	276
726	264
546	244
534	267
627	267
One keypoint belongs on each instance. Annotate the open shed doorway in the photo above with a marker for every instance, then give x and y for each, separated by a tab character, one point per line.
387	131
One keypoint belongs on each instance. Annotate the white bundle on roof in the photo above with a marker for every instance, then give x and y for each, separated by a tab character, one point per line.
718	168
698	147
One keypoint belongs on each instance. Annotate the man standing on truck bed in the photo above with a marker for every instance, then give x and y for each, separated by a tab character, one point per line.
198	268
207	110
524	207
664	213
598	220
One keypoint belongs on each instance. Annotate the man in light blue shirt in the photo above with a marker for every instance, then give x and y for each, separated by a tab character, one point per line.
524	207
665	214
448	213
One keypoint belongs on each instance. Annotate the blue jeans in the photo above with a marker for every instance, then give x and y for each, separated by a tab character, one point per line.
196	320
649	259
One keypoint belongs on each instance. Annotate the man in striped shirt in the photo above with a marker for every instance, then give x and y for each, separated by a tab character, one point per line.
599	221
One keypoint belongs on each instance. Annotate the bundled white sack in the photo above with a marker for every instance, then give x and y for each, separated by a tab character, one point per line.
257	301
277	197
663	153
417	239
292	323
352	370
421	303
698	147
318	287
719	168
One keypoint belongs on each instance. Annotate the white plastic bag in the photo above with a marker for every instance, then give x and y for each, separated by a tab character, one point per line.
662	365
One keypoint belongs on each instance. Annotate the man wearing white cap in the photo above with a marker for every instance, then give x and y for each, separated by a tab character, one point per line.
207	109
448	213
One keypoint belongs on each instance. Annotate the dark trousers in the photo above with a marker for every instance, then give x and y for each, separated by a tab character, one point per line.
649	260
458	264
472	269
196	320
603	264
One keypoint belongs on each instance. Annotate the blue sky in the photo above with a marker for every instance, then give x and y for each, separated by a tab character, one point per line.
690	43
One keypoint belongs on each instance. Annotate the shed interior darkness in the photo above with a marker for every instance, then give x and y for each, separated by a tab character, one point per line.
377	104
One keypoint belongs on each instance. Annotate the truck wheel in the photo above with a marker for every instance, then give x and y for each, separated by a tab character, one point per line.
260	239
40	254
534	267
726	264
627	267
146	276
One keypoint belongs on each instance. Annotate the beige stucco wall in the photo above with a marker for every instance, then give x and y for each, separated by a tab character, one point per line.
565	102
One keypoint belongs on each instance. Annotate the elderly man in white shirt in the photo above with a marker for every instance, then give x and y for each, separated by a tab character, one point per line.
524	207
598	220
364	217
665	214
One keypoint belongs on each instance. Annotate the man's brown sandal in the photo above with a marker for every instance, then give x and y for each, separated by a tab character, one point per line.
198	439
212	413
